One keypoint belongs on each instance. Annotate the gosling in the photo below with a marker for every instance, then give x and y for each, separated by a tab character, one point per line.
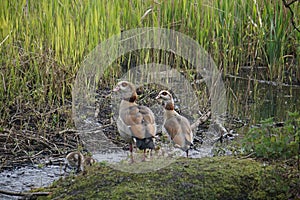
75	160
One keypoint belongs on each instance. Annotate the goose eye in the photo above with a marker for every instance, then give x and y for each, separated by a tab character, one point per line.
124	84
164	93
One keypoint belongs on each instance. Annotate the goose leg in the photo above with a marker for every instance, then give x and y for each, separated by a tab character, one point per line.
131	155
144	158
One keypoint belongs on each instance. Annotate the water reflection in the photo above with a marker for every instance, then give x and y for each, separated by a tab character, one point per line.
254	101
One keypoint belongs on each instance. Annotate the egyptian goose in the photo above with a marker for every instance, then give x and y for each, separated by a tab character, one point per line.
177	126
135	123
75	160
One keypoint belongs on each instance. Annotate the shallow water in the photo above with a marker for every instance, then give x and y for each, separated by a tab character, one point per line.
25	178
255	101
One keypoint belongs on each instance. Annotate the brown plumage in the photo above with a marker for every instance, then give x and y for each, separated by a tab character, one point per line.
77	161
177	126
135	122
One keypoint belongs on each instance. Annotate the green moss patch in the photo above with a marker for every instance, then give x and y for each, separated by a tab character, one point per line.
206	178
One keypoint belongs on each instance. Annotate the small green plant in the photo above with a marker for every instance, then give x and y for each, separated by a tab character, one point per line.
103	163
41	165
274	141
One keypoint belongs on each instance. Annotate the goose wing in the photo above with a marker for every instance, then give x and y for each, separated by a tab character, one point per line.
137	121
179	130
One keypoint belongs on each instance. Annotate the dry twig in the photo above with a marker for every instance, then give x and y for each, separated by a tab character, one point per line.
28	195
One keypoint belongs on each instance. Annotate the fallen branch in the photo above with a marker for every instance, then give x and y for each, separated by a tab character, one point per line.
261	81
24	194
78	132
67	131
248	156
288	6
201	120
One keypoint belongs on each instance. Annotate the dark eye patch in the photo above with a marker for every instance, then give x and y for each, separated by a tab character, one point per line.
164	93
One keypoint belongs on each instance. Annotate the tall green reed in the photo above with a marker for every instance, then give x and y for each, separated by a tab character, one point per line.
44	42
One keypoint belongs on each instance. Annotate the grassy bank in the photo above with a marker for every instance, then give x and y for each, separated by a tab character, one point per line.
43	43
207	178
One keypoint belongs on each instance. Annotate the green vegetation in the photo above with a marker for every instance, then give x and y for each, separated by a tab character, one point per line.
275	141
206	178
43	42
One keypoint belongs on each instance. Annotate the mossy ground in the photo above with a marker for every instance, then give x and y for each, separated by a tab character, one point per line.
205	178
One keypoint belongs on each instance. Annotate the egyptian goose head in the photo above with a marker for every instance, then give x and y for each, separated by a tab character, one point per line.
166	99
127	91
177	126
135	123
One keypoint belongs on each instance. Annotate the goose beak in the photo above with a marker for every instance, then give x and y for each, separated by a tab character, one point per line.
116	89
158	99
